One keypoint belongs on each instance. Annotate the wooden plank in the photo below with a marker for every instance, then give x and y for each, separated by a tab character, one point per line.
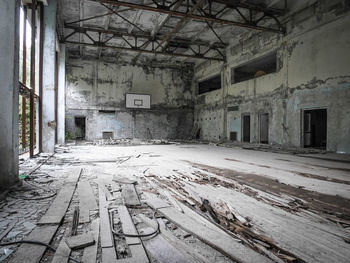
62	253
130	195
80	241
183	247
7	230
109	255
90	253
219	240
165	193
122	180
87	201
160	248
105	227
107	192
128	225
138	255
172	200
154	202
59	206
181	196
32	254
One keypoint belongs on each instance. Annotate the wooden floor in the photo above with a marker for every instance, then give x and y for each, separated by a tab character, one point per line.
211	204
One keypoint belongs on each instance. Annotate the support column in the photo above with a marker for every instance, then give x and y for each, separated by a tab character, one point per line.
48	96
9	92
61	94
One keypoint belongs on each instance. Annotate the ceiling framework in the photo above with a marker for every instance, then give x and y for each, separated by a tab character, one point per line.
170	33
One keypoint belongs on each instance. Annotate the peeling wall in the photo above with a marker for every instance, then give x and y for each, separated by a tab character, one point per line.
93	86
313	65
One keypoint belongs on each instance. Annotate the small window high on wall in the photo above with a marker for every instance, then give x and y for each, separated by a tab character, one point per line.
258	67
211	84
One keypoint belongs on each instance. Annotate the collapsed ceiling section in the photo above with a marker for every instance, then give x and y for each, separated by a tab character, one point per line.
171	31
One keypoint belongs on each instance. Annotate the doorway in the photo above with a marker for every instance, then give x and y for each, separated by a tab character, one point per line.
264	127
246	128
79	128
315	128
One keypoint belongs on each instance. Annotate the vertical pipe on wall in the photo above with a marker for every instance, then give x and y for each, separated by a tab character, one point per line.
41	45
56	95
24	76
32	80
61	94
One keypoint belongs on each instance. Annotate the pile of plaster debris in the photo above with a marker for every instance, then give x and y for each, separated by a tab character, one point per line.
129	142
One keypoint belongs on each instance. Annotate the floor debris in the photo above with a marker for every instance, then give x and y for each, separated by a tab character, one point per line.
250	206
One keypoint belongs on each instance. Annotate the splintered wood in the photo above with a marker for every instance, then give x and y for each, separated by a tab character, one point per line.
137	251
215	238
90	253
106	238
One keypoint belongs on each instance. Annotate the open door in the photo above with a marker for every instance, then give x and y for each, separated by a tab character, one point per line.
246	128
264	127
79	128
315	128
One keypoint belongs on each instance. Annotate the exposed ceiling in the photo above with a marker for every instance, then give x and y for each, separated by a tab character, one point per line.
171	31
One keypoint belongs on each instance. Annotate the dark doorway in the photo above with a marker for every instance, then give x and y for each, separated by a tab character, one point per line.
79	128
264	127
246	128
315	128
233	136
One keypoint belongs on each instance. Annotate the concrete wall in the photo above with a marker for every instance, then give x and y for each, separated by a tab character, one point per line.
313	64
9	92
93	86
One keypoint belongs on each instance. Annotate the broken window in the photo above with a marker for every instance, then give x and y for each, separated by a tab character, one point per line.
258	67
208	85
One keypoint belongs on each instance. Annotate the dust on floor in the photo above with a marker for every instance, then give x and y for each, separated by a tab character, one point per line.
210	204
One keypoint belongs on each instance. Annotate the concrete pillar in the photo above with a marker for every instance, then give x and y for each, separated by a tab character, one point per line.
48	96
9	91
61	94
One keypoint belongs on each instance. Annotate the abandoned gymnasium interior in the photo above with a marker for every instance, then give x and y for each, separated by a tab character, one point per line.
175	131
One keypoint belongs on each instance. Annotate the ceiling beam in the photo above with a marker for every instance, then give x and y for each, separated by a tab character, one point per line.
189	16
245	5
124	33
101	45
179	24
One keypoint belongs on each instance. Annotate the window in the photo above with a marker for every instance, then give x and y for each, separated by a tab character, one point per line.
107	135
261	66
233	108
208	85
107	111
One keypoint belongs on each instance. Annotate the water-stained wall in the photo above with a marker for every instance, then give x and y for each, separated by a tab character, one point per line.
313	71
95	86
